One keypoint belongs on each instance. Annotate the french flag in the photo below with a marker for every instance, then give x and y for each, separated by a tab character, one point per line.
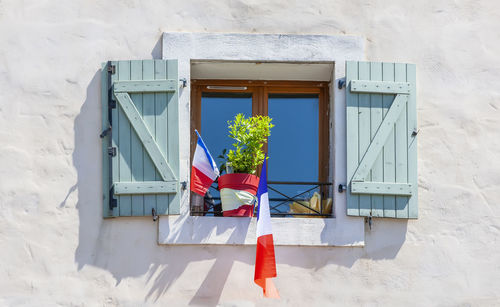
265	262
204	171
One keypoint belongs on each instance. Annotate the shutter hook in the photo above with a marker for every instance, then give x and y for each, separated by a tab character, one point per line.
341	84
342	188
105	132
155	217
183	82
369	221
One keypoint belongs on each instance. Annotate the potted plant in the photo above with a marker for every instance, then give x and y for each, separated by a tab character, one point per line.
238	186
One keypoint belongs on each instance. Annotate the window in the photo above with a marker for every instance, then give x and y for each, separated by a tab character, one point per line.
206	56
298	147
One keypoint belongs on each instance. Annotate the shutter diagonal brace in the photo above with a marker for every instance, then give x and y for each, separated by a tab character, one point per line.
145	136
380	138
358	184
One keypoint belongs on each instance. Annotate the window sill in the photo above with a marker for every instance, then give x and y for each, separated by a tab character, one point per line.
174	230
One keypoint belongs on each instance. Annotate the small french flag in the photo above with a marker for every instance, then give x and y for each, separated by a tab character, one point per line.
204	170
265	261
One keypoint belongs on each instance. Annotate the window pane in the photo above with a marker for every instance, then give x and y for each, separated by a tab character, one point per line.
293	145
216	110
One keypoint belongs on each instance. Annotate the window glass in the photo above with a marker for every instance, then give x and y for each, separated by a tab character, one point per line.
293	146
216	110
294	139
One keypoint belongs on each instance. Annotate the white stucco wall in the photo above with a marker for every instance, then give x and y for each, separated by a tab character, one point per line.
57	250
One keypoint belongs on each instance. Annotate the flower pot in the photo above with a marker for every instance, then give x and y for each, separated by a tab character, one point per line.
237	193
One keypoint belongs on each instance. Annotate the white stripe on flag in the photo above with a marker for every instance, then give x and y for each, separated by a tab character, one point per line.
201	162
264	221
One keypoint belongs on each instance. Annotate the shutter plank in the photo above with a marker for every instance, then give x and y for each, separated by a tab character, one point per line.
148	99
352	137
401	146
137	165
364	136
389	156
377	171
161	134
412	140
124	151
173	135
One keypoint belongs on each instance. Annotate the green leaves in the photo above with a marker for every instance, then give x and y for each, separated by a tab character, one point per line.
250	135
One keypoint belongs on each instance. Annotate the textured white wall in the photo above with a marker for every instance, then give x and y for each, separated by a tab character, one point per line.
56	250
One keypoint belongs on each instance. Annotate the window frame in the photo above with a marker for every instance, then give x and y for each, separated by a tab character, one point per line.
189	48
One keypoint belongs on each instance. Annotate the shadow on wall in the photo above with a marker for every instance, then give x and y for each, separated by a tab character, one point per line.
127	247
156	52
382	242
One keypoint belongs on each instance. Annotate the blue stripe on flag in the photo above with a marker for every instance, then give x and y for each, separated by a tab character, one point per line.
202	145
262	184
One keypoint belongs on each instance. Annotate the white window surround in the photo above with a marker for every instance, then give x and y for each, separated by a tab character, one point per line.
191	47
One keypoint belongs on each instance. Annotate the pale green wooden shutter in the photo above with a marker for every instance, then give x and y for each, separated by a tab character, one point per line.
141	148
381	139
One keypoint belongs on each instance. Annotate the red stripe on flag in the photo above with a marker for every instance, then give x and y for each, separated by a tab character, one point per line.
265	265
199	182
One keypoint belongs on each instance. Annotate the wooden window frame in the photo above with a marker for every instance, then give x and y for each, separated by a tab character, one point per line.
260	89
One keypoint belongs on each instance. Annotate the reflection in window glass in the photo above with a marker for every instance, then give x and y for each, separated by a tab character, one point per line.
293	145
216	110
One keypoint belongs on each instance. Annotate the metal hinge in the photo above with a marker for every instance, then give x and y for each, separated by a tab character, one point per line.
111	69
183	82
342	188
112	151
111	106
341	83
112	103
